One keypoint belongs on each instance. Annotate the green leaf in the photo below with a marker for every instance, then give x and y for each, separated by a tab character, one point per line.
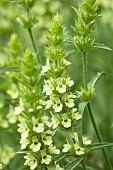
96	78
96	146
61	157
101	46
73	164
9	69
81	108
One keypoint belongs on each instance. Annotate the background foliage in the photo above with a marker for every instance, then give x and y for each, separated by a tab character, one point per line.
99	60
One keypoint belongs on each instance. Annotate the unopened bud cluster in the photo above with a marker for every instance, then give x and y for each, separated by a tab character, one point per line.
84	25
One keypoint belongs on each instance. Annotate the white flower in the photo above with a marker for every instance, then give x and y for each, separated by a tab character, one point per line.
30	161
69	101
46	138
24	142
48	87
53	149
23	129
66	122
35	146
60	87
86	141
45	120
19	108
55	121
69	82
46	68
37	127
57	105
76	115
46	159
65	62
78	149
66	148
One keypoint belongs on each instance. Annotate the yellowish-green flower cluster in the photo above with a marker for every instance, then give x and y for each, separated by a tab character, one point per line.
76	147
35	127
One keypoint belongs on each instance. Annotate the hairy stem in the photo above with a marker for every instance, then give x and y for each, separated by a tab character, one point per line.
84	63
98	135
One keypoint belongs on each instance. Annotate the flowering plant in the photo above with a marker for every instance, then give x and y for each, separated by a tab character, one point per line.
45	104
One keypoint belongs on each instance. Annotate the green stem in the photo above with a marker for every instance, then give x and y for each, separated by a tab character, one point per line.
33	43
83	164
85	82
98	135
84	63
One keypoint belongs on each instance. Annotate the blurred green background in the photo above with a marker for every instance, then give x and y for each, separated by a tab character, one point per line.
98	60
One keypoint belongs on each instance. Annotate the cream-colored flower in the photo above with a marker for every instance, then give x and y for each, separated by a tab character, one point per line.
36	145
19	108
23	129
86	141
24	142
37	127
30	161
57	104
78	149
66	122
69	82
53	149
46	68
46	159
48	87
46	139
61	88
55	121
66	147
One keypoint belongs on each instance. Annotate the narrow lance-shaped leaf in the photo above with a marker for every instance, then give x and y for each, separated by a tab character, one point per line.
96	146
96	78
73	164
101	46
61	157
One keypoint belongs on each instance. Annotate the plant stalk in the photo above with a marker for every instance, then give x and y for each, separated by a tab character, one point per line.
83	164
98	136
85	83
33	43
85	72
